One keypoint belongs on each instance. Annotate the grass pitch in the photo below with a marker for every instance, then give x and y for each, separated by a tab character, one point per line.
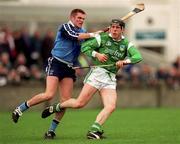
125	126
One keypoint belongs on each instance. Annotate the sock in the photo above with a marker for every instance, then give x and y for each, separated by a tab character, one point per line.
96	127
54	125
23	107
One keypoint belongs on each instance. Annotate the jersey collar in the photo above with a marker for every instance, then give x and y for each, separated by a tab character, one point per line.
71	23
122	37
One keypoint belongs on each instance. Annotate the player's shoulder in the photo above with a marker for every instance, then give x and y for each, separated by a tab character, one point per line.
66	26
128	43
62	26
125	40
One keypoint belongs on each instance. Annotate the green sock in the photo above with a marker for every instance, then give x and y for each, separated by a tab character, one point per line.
57	107
96	127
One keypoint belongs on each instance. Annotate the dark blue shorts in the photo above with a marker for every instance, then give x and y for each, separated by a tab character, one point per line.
59	69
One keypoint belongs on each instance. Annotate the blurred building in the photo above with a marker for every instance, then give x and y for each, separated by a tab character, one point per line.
156	31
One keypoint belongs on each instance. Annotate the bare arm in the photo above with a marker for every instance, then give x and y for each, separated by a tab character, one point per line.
88	35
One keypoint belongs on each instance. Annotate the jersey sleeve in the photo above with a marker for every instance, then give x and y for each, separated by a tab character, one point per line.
68	32
90	45
133	54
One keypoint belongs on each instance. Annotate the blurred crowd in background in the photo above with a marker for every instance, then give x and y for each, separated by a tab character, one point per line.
23	57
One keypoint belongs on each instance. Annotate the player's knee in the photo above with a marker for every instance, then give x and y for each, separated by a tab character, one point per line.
111	108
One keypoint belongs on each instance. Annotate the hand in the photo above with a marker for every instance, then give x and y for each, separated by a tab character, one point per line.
101	57
106	29
120	63
95	34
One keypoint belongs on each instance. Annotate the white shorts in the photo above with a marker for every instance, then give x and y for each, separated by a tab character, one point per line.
101	78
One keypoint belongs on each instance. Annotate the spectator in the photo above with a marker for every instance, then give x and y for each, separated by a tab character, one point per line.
17	40
5	67
3	44
22	42
175	73
162	75
36	72
176	63
21	67
147	77
46	46
14	77
135	73
7	43
35	49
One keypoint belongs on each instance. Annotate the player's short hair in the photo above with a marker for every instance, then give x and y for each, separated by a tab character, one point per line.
119	22
75	11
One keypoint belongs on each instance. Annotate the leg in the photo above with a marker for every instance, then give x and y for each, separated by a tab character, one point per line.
51	86
65	93
81	101
86	94
66	88
109	98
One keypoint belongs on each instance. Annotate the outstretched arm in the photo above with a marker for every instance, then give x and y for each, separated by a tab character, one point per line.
69	33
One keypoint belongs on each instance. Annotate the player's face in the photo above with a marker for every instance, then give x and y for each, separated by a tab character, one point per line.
116	31
78	19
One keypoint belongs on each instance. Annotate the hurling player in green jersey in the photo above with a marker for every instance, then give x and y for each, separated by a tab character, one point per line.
112	49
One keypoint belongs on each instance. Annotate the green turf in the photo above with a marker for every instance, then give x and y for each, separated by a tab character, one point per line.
125	126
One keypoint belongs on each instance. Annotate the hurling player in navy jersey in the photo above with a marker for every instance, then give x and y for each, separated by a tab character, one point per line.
59	68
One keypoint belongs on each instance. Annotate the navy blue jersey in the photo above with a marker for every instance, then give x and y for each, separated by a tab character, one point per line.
67	45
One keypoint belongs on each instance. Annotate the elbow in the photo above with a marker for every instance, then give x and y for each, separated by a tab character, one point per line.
137	60
140	58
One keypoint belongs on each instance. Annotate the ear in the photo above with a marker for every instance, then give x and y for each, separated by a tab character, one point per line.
122	29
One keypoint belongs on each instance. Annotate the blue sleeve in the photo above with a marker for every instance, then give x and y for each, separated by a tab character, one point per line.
68	32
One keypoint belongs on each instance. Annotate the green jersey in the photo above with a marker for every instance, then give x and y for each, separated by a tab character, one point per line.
115	50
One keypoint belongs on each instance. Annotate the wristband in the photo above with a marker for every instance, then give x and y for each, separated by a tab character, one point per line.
127	61
92	35
94	53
